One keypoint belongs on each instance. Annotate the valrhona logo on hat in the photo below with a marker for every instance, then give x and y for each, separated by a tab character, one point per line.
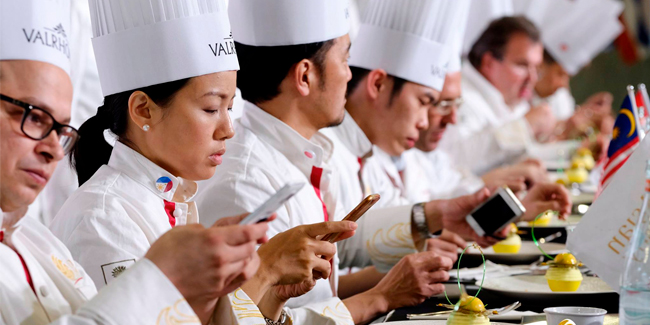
227	47
54	37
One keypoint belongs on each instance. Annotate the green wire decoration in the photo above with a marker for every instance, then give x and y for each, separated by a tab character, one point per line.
532	233
457	305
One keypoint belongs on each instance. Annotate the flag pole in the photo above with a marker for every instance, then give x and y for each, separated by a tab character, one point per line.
646	102
630	92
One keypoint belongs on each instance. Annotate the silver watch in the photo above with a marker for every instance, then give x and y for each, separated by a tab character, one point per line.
281	321
419	219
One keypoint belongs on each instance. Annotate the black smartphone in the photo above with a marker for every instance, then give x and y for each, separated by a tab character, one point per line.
500	210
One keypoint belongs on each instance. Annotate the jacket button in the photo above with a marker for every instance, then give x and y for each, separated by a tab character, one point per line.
178	213
43	291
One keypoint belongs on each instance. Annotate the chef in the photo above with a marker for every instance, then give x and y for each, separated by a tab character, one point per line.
294	73
173	92
568	48
41	283
497	84
388	99
86	98
428	174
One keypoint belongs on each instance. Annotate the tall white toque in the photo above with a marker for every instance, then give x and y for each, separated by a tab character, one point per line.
140	43
409	39
288	22
574	31
35	30
458	37
481	14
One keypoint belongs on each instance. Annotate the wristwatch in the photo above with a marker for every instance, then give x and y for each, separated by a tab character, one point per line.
419	219
281	321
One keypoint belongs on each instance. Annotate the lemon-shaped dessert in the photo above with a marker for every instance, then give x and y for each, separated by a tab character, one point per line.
586	157
578	173
563	273
512	243
544	220
471	312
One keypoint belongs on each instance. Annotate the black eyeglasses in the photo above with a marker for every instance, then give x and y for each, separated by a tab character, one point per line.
37	124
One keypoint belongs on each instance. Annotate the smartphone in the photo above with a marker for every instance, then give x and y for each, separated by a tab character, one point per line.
355	214
500	210
271	205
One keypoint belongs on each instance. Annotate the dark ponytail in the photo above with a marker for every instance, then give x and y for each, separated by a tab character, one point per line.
92	151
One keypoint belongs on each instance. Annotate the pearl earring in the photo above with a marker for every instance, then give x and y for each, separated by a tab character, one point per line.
145	127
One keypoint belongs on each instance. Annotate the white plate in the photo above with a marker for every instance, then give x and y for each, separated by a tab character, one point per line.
429	322
535	286
513	316
555	222
528	253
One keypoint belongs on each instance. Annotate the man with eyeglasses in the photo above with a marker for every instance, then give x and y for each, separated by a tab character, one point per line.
429	174
496	123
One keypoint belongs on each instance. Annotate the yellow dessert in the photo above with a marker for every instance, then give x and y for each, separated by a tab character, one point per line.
544	220
578	173
563	273
471	312
586	157
511	245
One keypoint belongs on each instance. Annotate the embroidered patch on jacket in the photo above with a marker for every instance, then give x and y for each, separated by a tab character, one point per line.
113	270
67	268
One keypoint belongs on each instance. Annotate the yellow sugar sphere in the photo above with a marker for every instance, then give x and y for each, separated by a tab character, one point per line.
565	259
513	229
584	152
587	161
472	304
544	220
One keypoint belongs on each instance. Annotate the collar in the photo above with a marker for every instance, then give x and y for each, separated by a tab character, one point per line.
303	153
153	177
491	94
387	163
353	137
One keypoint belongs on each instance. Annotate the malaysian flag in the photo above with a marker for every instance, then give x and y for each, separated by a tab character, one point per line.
625	138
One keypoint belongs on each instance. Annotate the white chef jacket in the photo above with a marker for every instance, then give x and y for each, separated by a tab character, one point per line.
264	155
489	133
63	293
432	176
111	221
561	102
114	218
384	233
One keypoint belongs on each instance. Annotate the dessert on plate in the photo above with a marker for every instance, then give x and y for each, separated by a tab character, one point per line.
563	274
512	243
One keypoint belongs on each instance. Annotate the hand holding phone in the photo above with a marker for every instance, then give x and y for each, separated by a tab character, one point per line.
355	214
500	210
271	205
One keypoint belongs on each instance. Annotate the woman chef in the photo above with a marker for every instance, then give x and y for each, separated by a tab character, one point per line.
168	71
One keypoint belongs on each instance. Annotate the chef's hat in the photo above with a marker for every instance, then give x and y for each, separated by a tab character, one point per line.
481	14
410	39
140	43
458	37
288	22
36	30
574	31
